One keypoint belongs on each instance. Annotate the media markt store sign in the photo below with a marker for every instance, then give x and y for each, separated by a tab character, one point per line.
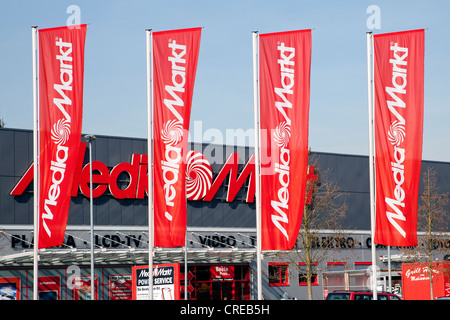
166	282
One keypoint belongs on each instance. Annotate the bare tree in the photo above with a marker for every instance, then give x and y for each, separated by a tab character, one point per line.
325	209
432	222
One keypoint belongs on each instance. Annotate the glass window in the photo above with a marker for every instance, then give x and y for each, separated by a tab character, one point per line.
338	296
336	266
278	274
362	265
302	278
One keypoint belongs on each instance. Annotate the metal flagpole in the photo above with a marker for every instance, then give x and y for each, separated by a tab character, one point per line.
389	269
150	161
186	257
371	159
185	268
89	138
36	164
257	173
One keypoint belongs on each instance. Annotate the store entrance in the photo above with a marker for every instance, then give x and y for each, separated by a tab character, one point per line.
223	291
218	282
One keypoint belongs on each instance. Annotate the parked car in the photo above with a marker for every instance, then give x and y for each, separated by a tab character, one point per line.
360	295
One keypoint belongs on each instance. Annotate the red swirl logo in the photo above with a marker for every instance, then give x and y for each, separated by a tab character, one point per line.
172	133
396	134
282	134
198	175
61	131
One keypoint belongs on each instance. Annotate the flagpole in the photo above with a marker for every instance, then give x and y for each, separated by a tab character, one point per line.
371	158
150	161
257	173
185	268
89	138
36	165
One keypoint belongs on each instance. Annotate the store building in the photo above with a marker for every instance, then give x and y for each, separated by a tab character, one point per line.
220	252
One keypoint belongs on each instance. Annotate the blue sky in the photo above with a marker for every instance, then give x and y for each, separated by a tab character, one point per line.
115	63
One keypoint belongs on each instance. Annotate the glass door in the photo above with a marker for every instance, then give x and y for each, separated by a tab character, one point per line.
223	290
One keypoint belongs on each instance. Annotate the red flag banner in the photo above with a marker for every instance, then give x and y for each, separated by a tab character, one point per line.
61	69
175	55
284	80
398	123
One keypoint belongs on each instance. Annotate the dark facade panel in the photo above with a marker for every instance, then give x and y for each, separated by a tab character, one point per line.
358	215
114	154
99	151
102	210
352	172
23	151
7	146
76	216
8	214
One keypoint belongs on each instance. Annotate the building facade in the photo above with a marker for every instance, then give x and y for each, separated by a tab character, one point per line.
221	232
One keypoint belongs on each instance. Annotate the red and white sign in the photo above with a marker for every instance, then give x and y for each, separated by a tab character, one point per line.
198	174
175	55
284	64
83	290
10	288
61	68
166	282
416	280
399	92
120	287
221	273
49	288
